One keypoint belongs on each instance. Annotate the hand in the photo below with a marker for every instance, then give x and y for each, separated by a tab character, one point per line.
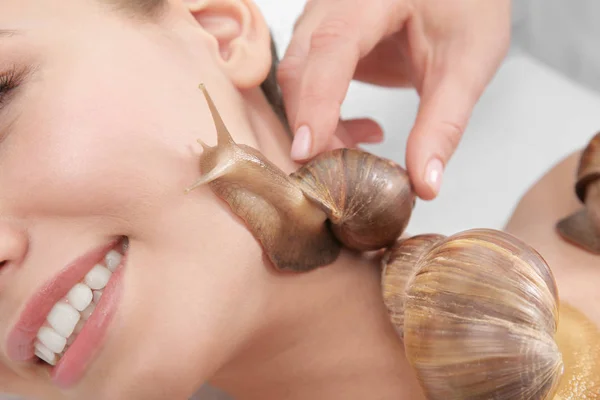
447	50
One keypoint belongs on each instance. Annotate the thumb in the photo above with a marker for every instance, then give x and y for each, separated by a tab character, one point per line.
441	120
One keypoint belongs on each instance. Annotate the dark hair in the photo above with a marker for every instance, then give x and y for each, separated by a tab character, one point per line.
271	88
153	8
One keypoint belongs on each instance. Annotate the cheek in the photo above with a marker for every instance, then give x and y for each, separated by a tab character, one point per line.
92	150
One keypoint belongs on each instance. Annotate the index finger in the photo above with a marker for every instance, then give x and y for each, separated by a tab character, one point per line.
321	60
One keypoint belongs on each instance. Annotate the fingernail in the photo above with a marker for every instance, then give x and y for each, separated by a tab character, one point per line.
433	174
302	143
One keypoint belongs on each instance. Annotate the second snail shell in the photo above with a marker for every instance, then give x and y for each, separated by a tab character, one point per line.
476	310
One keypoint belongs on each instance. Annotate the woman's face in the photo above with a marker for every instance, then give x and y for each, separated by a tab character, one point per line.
99	117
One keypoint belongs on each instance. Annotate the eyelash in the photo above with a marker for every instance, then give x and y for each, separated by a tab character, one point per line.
8	81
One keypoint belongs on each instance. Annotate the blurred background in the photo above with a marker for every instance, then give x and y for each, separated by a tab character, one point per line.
543	104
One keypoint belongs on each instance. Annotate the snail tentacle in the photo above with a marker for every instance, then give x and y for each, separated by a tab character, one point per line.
218	171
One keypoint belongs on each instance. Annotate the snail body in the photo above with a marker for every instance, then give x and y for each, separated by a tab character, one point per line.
477	311
579	341
582	228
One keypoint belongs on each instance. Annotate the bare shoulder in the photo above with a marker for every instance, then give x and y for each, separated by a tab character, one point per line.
549	199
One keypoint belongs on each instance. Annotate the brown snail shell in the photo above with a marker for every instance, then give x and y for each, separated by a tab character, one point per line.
302	220
368	199
582	228
477	312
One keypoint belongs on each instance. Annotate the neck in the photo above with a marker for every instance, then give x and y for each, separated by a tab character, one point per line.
327	328
272	137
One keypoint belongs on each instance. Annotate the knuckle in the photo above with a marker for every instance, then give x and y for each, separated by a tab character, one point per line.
288	68
321	102
330	34
450	135
324	112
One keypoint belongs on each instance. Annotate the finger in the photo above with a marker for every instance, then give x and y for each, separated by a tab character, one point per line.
363	130
320	86
350	133
441	120
289	70
341	139
293	60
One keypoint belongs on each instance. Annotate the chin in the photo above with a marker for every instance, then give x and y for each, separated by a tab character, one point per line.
175	327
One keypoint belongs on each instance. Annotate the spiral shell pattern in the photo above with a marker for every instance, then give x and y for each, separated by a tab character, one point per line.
480	314
367	199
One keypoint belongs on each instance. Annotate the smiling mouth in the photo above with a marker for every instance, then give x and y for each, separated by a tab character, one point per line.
68	316
64	324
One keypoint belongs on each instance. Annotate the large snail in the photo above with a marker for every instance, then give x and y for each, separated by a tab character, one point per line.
583	227
288	214
477	311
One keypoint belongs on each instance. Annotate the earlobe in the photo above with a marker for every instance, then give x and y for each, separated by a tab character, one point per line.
242	38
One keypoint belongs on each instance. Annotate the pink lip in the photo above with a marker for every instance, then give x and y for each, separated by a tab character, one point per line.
20	340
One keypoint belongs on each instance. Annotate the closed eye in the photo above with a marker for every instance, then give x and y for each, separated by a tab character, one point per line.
9	80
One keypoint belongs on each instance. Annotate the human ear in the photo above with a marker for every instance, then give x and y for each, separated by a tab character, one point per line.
241	36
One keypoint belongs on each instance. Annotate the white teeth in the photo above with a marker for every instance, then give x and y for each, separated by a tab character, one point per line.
80	296
45	354
52	340
97	296
112	260
98	277
63	319
68	317
85	314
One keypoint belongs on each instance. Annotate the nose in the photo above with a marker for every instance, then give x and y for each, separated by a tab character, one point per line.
13	243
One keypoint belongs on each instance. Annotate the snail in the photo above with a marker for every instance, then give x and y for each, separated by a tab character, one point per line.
478	314
582	228
477	311
293	216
